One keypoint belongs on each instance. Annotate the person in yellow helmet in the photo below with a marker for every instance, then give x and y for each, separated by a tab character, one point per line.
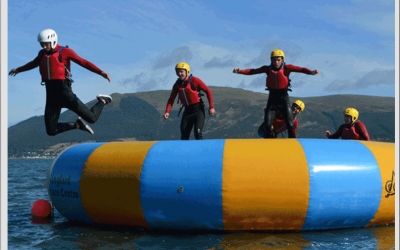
279	125
277	83
188	88
352	128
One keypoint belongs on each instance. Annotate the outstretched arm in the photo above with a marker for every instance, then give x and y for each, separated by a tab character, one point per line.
105	75
13	72
262	69
30	65
73	56
293	68
336	135
314	72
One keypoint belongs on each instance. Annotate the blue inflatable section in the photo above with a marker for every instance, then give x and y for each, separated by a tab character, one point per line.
341	182
64	181
179	187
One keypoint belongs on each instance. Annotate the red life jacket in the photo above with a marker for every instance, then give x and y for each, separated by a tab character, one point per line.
188	94
51	66
350	132
277	79
280	125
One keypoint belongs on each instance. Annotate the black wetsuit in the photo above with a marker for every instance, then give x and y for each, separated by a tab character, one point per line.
54	68
59	95
278	100
193	117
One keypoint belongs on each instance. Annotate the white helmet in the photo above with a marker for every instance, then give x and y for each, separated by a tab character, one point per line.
48	35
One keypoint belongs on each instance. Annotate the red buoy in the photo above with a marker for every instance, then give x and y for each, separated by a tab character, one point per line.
41	208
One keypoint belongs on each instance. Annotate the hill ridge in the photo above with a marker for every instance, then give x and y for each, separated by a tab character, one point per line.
138	116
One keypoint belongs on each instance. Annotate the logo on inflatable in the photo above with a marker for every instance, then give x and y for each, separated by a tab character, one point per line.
389	186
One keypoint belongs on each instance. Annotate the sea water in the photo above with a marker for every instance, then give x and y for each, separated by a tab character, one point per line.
27	183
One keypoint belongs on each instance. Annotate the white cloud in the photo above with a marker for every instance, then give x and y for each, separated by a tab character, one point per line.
221	63
375	77
180	54
370	15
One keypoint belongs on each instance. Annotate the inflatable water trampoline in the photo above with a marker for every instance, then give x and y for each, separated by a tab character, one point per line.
227	184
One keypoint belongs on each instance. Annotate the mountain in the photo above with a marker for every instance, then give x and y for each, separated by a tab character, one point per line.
139	116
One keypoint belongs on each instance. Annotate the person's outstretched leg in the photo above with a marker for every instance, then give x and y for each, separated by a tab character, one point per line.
92	115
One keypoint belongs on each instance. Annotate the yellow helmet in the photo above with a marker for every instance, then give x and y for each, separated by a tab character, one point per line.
183	65
278	52
300	104
351	112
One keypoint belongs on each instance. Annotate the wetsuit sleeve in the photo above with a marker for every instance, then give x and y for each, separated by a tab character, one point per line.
68	54
32	64
200	85
295	125
293	68
338	133
263	69
171	99
362	131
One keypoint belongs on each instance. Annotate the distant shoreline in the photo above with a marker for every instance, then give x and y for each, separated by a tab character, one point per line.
14	158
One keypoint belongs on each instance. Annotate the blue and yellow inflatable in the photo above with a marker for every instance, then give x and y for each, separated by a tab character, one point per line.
227	184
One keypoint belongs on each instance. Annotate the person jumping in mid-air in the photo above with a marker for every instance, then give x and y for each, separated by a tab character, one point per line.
54	62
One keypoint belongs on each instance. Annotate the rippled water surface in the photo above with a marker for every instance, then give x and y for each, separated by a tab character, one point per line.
27	183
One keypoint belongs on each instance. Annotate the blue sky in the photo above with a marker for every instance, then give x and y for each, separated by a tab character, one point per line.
351	42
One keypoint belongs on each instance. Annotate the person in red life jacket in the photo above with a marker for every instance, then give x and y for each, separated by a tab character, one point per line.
277	83
187	87
279	125
54	62
352	128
